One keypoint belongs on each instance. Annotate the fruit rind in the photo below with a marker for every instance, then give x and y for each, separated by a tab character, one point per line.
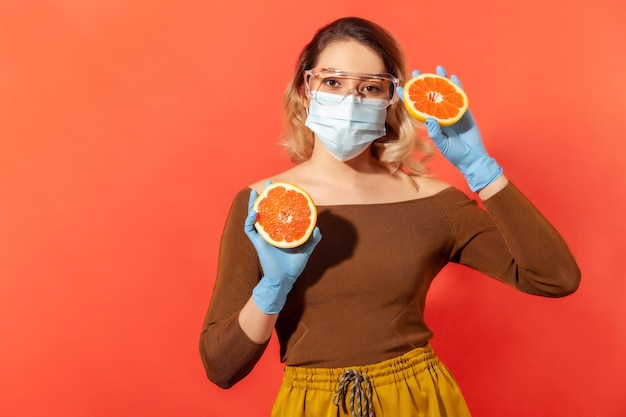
421	116
312	216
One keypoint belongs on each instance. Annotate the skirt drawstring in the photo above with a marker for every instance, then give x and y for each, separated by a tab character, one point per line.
360	398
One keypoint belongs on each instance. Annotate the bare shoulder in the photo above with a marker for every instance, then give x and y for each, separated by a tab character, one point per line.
430	186
289	175
259	185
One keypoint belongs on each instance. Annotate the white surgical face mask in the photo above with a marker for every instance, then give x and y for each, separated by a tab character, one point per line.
347	128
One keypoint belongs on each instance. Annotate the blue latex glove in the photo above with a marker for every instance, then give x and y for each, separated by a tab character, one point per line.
462	145
281	267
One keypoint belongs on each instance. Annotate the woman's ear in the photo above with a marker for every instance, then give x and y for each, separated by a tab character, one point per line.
304	99
305	102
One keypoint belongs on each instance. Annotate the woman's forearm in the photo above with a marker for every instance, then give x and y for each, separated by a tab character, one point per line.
257	325
497	185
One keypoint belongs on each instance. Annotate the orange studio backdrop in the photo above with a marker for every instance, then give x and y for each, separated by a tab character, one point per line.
126	128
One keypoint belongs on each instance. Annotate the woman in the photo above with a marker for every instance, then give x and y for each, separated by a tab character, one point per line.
348	307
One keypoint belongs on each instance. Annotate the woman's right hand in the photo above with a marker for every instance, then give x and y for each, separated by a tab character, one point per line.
281	267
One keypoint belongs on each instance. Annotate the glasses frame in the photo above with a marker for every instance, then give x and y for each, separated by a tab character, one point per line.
308	74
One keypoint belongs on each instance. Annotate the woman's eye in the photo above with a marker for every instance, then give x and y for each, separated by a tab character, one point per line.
331	82
374	89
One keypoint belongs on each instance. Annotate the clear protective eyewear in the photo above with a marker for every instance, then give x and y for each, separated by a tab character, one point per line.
330	87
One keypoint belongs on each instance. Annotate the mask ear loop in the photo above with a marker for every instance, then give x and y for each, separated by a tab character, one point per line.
307	92
306	102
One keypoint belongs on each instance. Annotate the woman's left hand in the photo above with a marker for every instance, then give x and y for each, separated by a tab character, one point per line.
462	145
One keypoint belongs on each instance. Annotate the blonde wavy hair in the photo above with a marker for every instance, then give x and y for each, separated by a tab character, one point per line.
401	151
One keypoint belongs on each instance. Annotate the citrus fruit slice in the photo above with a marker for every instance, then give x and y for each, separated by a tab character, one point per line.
431	95
286	215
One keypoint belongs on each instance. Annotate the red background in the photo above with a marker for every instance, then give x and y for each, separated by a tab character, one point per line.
127	126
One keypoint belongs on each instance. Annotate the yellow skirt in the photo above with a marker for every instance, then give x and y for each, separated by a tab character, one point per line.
416	384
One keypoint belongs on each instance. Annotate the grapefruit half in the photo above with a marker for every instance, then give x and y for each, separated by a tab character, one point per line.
286	215
432	95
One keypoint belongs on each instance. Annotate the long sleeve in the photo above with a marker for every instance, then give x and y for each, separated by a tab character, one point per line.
366	282
522	248
227	353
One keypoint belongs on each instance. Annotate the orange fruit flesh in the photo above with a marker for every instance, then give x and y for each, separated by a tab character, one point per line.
286	215
431	95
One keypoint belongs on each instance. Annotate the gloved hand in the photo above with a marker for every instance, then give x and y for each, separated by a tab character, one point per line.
462	145
281	267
